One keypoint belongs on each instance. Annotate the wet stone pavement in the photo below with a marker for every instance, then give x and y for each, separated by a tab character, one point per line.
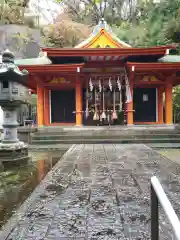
97	192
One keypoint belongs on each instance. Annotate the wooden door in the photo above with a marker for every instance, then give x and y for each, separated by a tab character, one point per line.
63	106
144	104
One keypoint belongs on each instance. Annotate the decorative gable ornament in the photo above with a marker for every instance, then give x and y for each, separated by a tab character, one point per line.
149	79
103	37
60	80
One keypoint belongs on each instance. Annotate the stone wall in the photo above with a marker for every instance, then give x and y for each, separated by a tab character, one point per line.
21	40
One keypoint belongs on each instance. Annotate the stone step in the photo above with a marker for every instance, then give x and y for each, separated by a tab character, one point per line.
107	131
82	137
110	140
50	147
164	145
104	131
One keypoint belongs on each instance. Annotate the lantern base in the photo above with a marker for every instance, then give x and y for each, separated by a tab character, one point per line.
8	145
14	154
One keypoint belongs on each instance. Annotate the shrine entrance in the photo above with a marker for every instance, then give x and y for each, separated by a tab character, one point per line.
63	106
145	105
104	102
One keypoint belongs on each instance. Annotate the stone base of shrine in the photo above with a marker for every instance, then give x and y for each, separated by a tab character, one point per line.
110	127
14	154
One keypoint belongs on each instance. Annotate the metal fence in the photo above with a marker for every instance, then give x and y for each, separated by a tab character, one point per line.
158	196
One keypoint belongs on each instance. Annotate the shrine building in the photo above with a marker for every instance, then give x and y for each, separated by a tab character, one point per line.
103	81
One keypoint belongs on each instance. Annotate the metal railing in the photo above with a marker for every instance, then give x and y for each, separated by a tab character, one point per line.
158	196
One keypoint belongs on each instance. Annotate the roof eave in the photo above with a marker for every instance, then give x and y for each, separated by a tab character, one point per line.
52	68
106	51
153	66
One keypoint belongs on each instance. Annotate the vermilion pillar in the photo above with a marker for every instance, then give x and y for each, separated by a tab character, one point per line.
160	105
78	103
130	111
40	106
168	104
46	107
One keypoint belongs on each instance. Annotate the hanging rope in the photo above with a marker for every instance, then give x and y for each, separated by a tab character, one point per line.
120	94
87	103
119	84
90	85
103	115
114	114
110	84
96	116
100	86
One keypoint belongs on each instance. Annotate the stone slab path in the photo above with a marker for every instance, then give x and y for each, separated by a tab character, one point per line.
97	192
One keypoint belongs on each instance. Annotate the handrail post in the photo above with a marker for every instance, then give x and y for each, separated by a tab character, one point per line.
154	215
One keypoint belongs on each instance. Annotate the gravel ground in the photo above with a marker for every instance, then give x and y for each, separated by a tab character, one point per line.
97	192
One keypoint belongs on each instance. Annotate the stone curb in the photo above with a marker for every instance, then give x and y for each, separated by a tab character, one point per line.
13	221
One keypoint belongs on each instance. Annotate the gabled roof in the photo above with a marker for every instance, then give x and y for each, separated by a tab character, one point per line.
102	29
42	59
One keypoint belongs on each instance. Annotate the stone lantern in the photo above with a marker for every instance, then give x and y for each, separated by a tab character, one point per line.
13	93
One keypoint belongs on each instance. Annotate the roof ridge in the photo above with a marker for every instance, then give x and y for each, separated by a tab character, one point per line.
101	25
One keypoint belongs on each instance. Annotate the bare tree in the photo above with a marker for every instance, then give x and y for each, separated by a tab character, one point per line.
12	11
90	11
65	32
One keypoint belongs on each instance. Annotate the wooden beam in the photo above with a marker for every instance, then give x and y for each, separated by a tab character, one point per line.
77	52
139	67
52	68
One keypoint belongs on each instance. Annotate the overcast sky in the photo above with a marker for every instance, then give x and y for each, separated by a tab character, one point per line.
47	9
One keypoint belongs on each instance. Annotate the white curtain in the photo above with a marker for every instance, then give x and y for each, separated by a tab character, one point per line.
1	117
128	91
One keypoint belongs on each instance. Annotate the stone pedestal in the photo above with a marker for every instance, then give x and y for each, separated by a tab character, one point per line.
12	151
10	125
12	94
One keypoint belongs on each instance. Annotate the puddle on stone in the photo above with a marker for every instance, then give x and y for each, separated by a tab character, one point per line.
172	154
17	183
